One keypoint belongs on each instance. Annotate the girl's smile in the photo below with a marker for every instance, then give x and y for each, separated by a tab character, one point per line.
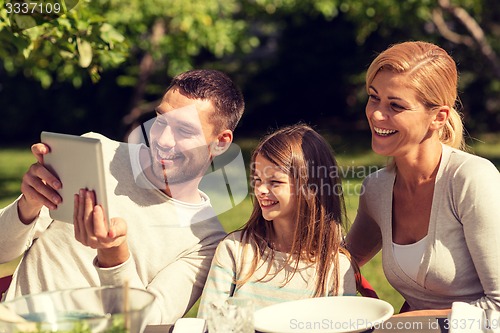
274	191
267	203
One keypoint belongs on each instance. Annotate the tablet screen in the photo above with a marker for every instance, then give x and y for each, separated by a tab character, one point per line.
78	163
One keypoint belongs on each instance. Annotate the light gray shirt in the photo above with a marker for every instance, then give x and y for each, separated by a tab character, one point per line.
461	259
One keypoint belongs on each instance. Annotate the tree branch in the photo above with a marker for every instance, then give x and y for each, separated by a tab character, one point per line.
452	36
146	67
475	30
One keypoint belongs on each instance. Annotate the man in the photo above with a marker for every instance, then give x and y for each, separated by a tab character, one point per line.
168	232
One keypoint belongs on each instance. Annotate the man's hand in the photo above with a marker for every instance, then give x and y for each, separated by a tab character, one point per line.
39	187
91	229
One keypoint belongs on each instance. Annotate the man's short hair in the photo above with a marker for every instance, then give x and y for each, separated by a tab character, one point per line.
219	89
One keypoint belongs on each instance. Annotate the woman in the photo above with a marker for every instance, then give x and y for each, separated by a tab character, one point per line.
434	210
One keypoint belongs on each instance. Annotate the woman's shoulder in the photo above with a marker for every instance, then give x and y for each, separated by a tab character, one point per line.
382	174
461	163
383	177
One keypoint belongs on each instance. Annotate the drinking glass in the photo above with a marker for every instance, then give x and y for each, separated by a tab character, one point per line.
93	309
232	315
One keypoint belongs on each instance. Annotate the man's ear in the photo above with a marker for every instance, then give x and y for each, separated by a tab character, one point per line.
440	118
222	143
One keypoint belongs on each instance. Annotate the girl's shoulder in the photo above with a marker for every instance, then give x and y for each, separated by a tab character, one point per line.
344	261
234	236
233	242
229	247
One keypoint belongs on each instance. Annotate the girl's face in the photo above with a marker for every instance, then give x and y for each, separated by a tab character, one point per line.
275	191
399	122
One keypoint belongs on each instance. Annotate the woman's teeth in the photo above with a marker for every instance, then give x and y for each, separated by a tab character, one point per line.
383	131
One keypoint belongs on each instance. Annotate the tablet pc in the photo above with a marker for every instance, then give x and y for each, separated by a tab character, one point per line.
78	163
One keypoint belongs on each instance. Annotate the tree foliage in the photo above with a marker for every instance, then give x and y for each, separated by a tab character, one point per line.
77	44
143	41
94	36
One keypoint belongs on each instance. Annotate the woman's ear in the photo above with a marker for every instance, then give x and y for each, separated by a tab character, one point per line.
440	118
222	142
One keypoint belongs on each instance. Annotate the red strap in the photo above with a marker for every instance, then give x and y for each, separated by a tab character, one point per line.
365	288
4	284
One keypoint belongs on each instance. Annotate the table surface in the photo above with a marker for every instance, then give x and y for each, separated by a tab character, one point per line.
420	324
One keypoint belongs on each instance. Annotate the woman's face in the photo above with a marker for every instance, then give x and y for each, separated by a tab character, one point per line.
399	122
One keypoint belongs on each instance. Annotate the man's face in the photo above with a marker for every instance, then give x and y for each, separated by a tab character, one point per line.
180	138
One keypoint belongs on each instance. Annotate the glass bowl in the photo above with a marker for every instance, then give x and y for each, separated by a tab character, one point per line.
85	310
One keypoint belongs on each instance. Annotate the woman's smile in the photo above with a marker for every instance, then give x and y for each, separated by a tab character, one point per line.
383	131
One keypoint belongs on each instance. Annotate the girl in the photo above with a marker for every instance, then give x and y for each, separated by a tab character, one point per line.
291	247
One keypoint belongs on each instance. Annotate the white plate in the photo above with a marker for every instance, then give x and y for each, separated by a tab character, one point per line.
323	314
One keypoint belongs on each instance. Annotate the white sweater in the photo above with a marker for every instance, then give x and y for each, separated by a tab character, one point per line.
167	259
271	290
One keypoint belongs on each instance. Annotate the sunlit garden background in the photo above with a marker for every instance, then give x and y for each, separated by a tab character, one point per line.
102	66
14	162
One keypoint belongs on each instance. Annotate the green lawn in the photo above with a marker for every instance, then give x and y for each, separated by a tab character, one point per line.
13	164
356	163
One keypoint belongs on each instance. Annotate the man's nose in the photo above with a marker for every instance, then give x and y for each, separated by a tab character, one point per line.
167	137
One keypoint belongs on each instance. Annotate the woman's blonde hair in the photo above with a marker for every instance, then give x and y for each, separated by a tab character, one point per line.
307	158
432	73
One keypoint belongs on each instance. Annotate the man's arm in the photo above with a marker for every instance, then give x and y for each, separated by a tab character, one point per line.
177	286
476	189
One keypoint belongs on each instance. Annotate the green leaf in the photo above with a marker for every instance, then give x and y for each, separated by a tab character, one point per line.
23	21
85	52
110	35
